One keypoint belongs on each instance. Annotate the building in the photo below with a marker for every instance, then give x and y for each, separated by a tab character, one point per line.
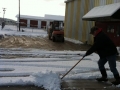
31	21
38	22
78	27
108	18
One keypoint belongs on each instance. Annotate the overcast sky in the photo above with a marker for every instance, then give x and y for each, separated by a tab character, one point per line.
32	7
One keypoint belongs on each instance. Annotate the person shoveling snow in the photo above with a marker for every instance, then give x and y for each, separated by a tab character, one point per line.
107	51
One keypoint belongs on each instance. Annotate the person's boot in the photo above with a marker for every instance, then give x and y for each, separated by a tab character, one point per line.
104	76
117	81
102	79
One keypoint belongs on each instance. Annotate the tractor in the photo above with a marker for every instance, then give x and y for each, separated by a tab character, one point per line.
56	31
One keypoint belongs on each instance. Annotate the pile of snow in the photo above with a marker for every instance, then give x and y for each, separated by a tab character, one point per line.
73	40
48	80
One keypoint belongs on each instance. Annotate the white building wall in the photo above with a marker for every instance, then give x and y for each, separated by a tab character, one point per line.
39	23
28	23
48	23
40	19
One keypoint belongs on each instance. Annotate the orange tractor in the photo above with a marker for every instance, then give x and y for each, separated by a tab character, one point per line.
56	31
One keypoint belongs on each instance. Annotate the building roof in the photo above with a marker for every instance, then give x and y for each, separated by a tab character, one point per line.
66	1
102	12
30	17
54	17
46	17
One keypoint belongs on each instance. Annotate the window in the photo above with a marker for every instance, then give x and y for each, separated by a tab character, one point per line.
118	31
110	29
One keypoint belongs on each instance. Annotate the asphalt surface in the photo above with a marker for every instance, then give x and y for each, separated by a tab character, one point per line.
69	85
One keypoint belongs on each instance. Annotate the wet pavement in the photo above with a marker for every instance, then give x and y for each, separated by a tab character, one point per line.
86	85
20	88
69	85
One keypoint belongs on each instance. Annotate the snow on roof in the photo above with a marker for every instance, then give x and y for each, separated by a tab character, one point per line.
30	17
102	11
54	17
46	17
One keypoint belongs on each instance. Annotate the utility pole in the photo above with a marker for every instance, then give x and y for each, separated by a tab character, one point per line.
19	15
4	9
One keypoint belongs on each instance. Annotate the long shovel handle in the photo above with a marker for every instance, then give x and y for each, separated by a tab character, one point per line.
71	68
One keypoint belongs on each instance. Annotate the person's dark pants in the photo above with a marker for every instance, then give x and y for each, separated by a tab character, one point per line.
112	64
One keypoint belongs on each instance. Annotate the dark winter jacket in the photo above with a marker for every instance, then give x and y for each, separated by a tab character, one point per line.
103	45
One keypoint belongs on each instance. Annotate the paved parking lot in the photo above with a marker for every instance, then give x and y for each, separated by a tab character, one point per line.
69	85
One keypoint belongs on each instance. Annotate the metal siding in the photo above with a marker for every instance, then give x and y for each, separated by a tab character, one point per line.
68	19
74	20
81	22
84	34
102	2
109	1
116	1
77	19
96	2
89	25
71	20
75	27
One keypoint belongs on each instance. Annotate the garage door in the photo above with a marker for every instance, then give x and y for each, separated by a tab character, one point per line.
23	22
33	23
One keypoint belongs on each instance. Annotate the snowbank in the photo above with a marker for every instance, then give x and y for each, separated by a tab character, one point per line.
48	80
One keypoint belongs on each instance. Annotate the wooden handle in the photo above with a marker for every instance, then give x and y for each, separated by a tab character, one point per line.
71	68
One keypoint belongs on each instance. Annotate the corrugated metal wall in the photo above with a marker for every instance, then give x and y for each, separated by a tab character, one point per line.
75	27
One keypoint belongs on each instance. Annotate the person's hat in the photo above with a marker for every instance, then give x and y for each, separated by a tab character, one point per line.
93	29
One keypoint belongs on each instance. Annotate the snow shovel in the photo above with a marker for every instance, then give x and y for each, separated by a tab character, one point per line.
72	67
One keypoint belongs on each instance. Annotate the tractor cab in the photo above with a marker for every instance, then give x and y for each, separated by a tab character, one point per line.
56	31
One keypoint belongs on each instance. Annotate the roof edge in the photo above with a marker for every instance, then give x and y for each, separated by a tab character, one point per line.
91	15
67	1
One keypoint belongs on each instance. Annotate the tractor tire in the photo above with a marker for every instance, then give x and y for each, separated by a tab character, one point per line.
49	37
63	40
53	39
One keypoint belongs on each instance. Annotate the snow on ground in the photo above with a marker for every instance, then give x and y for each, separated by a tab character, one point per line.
47	70
12	30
